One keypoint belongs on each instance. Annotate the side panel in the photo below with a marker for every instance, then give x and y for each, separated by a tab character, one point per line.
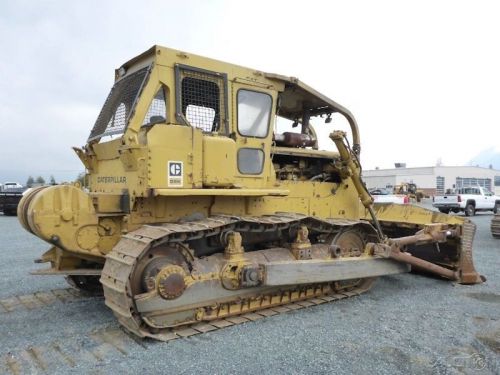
219	161
174	157
324	200
169	209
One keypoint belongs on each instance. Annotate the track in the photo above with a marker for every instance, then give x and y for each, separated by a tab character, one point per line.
125	257
495	226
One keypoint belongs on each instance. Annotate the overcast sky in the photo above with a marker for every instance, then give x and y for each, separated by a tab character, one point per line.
422	78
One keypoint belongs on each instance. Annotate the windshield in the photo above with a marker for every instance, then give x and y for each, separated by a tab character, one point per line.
120	103
379	192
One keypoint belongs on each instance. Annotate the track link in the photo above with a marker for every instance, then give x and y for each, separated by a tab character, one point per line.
120	264
495	226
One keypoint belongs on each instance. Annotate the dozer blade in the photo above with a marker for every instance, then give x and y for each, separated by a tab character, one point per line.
453	253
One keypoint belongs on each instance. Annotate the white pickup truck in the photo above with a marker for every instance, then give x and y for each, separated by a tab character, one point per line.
468	200
384	196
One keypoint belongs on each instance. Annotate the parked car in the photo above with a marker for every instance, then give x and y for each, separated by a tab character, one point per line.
380	191
10	185
468	200
10	195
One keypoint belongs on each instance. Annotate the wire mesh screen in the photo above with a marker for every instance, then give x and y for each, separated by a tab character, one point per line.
157	111
119	104
202	98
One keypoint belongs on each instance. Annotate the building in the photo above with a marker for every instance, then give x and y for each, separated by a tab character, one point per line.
434	180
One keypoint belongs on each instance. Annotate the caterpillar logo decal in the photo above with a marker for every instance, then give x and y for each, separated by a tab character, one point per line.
175	173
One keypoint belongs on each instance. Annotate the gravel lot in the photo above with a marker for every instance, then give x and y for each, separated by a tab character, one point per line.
405	324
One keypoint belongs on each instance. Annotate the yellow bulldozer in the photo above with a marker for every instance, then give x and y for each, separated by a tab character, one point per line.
410	190
197	210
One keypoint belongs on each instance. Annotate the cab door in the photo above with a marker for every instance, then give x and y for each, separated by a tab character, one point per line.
489	199
482	199
253	120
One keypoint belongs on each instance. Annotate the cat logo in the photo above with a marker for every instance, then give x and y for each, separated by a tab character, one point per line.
175	174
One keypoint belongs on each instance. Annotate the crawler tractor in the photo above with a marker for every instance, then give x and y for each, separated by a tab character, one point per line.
197	210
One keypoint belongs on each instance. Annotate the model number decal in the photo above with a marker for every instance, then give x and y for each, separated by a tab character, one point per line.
175	173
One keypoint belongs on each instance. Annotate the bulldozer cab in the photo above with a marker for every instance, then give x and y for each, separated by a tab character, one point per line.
178	121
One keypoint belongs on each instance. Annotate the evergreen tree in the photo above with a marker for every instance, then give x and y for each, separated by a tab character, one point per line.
40	180
30	182
52	180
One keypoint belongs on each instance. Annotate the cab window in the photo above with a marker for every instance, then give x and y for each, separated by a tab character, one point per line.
157	111
201	99
254	113
250	160
119	106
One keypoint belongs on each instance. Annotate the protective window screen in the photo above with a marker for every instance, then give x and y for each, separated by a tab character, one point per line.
254	110
202	97
250	160
157	111
201	117
118	106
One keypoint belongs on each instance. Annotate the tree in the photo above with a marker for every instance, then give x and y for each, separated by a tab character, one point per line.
30	182
40	180
82	179
52	180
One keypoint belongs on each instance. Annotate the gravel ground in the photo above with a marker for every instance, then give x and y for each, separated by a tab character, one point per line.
405	324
